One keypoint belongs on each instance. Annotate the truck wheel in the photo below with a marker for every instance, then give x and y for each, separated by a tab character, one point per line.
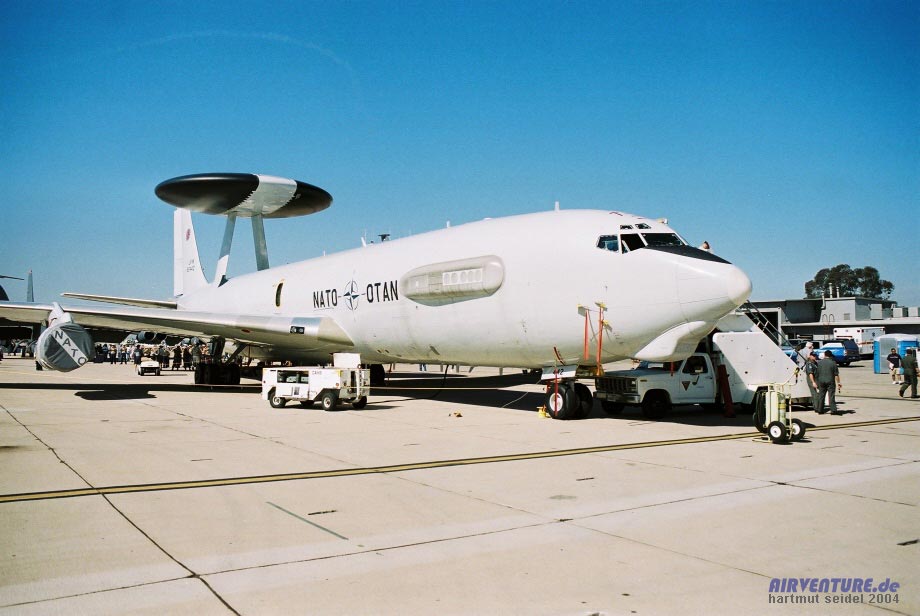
777	432
612	408
329	400
564	404
655	405
798	430
585	401
277	402
359	403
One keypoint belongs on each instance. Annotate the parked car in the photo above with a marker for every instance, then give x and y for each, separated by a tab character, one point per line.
844	350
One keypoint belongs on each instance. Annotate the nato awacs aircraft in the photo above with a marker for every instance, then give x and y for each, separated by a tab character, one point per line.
563	291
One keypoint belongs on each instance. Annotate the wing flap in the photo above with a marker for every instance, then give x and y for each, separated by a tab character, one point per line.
127	301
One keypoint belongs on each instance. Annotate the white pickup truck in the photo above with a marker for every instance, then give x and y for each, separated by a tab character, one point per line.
751	361
309	384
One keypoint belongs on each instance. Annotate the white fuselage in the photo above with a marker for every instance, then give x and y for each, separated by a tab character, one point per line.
549	268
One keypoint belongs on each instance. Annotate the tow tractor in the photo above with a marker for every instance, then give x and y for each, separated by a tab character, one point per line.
344	382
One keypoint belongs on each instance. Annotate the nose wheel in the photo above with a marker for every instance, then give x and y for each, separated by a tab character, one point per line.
568	400
561	401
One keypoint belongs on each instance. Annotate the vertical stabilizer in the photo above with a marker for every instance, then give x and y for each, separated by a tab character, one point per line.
188	275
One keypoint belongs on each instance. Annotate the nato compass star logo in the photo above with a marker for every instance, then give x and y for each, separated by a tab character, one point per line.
351	295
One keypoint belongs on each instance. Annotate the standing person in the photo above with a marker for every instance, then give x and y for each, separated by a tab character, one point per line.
826	375
177	357
113	354
137	354
186	359
163	356
196	356
909	363
811	370
800	357
894	367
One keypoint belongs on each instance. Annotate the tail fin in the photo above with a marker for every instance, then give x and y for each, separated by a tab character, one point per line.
188	275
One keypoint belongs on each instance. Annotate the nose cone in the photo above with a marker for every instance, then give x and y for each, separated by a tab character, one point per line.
738	286
709	290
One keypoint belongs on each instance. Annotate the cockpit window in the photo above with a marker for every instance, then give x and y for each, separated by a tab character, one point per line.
631	241
609	242
642	225
627	242
626	226
662	239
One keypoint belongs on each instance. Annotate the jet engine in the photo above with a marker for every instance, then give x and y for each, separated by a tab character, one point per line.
145	337
65	345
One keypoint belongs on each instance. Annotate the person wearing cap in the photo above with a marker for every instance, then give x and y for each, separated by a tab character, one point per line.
826	376
909	363
811	369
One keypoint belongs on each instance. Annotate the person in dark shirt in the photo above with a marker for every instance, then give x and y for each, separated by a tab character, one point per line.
811	368
826	375
894	366
909	363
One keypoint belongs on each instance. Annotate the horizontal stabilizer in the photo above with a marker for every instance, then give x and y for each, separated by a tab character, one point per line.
126	301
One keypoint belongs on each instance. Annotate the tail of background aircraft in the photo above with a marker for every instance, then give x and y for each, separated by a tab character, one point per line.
188	275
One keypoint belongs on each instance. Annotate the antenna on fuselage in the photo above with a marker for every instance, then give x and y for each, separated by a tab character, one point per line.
243	195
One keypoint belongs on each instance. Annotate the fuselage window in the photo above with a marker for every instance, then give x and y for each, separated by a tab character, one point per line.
278	295
631	241
609	242
662	239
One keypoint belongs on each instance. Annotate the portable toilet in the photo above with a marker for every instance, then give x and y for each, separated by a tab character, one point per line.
884	344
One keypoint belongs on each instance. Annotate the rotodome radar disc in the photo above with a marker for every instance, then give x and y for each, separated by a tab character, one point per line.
243	194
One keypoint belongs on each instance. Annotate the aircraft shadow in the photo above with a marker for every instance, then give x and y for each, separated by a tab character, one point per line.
140	391
490	392
479	391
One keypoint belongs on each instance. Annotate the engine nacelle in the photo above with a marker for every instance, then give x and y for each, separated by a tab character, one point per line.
64	346
145	337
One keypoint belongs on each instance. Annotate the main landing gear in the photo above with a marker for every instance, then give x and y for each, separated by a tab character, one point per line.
217	372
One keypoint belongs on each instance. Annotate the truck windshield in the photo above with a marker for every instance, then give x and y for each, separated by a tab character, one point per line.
654	365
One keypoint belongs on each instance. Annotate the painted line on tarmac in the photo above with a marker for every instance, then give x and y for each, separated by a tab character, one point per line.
415	466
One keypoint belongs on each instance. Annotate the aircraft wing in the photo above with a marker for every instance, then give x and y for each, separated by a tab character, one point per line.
301	333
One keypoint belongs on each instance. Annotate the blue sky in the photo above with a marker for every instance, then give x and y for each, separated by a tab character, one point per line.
787	134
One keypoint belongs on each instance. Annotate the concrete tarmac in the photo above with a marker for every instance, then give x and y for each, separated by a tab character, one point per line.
122	494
